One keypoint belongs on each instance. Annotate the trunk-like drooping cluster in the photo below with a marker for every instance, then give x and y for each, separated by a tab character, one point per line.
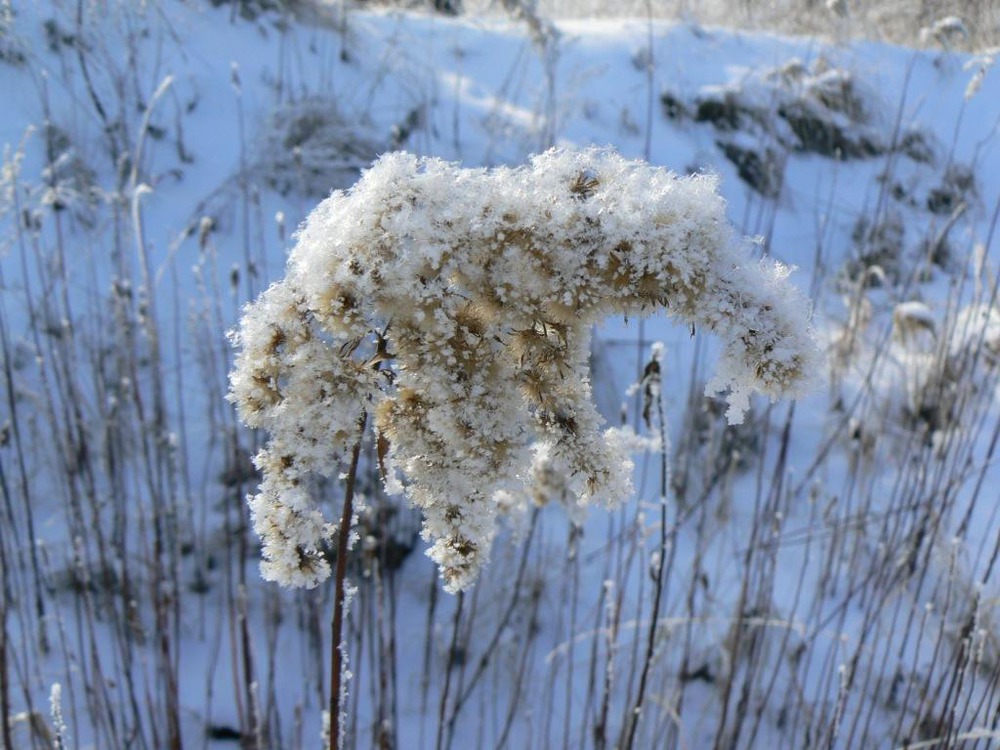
455	306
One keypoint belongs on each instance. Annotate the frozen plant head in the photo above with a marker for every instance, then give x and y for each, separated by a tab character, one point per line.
455	307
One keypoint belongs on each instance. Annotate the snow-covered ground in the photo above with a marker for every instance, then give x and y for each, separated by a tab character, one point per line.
828	566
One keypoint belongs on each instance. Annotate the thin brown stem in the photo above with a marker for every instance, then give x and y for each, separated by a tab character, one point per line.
633	718
343	539
5	731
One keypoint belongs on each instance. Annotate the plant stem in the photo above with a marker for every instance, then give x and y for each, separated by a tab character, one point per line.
633	719
337	626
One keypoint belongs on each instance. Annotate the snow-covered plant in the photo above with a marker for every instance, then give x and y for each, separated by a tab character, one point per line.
58	723
982	63
910	319
454	308
945	31
308	145
817	108
936	375
838	7
12	47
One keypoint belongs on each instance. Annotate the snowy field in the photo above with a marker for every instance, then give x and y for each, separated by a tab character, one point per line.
820	575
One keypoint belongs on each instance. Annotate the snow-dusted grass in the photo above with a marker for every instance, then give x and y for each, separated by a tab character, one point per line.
955	24
822	575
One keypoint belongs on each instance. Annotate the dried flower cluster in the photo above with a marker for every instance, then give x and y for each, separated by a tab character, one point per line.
455	306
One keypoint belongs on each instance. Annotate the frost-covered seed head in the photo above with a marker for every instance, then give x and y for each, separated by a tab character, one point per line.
475	292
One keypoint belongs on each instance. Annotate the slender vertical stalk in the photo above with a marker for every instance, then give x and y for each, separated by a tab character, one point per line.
647	144
425	681
661	566
337	626
5	712
448	669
